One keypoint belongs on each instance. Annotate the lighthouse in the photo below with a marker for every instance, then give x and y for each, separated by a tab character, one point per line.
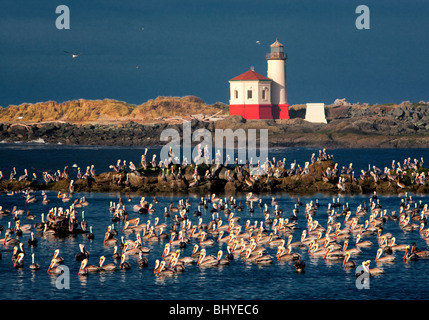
254	96
276	71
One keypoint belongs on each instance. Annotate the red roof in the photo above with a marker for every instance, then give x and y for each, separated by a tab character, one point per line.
250	75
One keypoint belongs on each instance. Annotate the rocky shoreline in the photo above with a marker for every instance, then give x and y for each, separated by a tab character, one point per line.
283	133
405	126
115	123
320	177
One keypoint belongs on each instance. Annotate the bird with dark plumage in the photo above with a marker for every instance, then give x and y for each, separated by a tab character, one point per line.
82	254
299	265
32	242
142	260
124	265
90	234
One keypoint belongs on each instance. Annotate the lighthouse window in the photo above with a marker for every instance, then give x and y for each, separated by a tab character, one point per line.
235	94
264	93
249	94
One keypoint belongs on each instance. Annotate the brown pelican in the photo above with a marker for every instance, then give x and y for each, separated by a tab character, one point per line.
32	242
9	241
57	259
385	259
208	242
248	256
299	265
82	270
40	225
47	231
409	256
179	242
30	216
184	260
18	262
203	262
90	234
315	251
397	247
17	250
286	256
125	265
116	255
222	239
347	263
92	268
195	253
177	266
220	260
419	253
33	265
294	244
373	271
352	251
45	199
109	239
264	258
362	244
82	254
329	255
83	223
142	261
275	242
54	267
162	270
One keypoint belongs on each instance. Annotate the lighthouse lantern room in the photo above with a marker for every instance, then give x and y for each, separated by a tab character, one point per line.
254	96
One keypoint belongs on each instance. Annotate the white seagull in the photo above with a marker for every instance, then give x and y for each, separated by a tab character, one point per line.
74	55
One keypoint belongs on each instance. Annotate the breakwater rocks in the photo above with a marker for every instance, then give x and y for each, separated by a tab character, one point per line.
203	179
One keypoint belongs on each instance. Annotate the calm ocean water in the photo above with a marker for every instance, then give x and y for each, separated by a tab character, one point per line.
238	280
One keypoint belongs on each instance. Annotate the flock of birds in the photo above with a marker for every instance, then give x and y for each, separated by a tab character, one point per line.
275	168
215	231
219	225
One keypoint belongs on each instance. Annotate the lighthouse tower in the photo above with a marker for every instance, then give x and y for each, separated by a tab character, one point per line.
276	71
254	96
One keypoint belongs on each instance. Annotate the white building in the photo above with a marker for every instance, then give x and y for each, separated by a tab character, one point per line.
254	96
315	113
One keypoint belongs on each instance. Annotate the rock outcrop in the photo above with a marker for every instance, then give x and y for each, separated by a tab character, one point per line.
235	180
349	126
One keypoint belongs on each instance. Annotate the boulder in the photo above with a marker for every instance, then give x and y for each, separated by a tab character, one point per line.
342	103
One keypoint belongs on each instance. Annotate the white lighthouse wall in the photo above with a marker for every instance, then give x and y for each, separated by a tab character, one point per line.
277	72
242	87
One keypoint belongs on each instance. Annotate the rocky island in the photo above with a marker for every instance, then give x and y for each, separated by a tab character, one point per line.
111	122
319	175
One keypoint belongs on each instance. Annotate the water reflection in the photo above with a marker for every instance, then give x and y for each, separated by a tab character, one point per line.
83	280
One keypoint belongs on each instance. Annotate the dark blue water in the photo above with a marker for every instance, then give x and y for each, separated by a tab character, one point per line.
322	280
